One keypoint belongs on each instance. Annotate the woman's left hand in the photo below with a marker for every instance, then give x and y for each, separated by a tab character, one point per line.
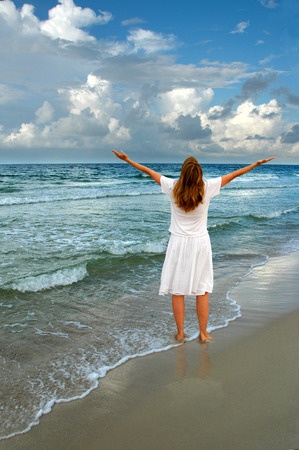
121	155
264	161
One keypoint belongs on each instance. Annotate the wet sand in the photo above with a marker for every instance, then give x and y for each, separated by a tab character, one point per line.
238	393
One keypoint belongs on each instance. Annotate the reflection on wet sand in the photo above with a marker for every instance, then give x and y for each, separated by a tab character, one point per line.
194	380
204	363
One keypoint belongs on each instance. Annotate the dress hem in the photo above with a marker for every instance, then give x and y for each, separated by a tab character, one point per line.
209	291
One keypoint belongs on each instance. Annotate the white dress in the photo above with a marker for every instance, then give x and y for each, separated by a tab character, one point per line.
188	267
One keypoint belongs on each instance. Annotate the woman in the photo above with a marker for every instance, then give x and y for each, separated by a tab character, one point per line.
188	269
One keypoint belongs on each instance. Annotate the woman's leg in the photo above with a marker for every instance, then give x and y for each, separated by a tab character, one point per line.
178	307
202	309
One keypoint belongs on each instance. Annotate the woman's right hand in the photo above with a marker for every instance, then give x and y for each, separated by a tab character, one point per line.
237	173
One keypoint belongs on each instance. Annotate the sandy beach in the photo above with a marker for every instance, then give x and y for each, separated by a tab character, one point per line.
239	392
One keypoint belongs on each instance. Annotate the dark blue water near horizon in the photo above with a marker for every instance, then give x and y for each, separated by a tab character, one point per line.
82	248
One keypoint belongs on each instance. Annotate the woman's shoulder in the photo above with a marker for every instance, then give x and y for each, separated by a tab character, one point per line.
168	179
167	184
214	180
212	186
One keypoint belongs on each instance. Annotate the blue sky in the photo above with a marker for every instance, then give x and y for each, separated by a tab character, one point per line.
160	80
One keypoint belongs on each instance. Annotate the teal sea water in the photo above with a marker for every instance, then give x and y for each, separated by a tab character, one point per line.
82	247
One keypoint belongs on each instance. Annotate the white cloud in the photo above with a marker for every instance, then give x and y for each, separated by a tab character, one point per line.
150	42
95	97
24	137
264	119
295	150
20	22
240	27
182	101
207	74
94	119
9	94
66	20
272	4
30	23
45	113
8	12
91	115
268	59
117	132
97	93
132	21
248	121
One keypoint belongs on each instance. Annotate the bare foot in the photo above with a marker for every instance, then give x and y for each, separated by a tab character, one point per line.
205	337
180	337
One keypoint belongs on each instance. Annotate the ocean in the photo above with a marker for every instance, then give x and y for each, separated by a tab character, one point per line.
82	247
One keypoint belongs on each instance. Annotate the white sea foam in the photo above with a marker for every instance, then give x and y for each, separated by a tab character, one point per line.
4	305
275	214
51	333
254	176
78	325
9	201
123	247
15	327
63	277
93	377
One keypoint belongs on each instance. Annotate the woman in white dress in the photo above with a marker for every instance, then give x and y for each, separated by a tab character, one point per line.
188	268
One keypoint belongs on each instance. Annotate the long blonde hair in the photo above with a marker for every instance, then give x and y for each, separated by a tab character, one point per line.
188	190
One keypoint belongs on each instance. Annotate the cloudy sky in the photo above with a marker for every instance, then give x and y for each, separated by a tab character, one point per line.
160	80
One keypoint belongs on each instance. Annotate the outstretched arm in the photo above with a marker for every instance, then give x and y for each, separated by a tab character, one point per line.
237	173
154	175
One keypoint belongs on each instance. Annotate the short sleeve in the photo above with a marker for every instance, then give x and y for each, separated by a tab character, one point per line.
213	187
167	185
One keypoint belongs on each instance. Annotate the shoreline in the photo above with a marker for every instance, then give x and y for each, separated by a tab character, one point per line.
244	382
